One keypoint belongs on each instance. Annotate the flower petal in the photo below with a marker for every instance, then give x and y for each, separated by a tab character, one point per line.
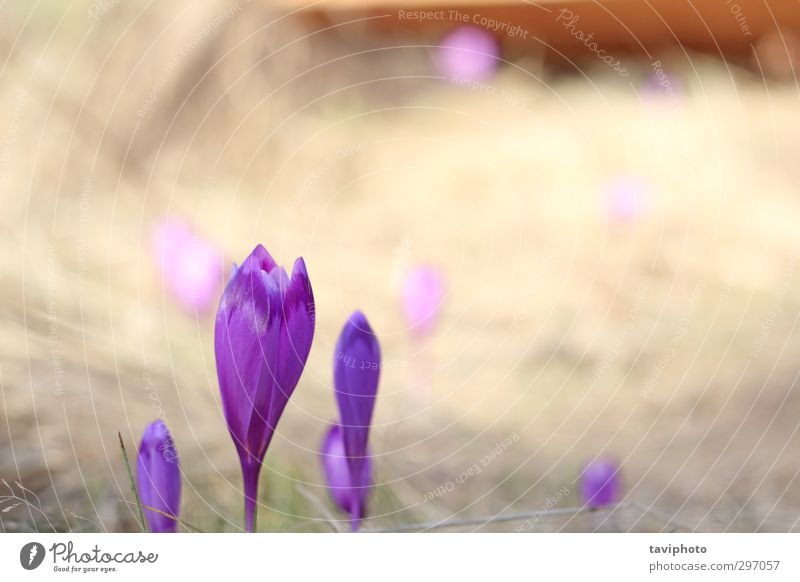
338	479
294	342
246	333
334	466
263	259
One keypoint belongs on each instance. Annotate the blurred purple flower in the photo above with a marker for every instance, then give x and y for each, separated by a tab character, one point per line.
468	53
158	477
663	85
628	199
422	294
263	334
600	483
345	455
190	265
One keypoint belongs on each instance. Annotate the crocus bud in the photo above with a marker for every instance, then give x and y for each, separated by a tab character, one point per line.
158	477
263	334
345	454
468	54
422	295
190	265
600	483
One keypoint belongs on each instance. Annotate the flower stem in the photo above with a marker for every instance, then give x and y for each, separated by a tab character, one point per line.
355	513
250	474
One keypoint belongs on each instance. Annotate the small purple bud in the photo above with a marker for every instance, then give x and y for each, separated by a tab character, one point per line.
158	477
422	296
468	54
600	483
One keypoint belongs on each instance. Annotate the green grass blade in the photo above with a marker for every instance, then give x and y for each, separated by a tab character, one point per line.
132	482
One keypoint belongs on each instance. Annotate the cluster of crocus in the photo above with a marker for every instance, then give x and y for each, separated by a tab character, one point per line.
345	455
262	338
158	477
600	483
191	266
263	334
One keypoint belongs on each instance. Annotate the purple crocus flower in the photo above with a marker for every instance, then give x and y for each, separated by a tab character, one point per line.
158	477
190	265
422	294
600	483
345	455
263	333
628	198
468	53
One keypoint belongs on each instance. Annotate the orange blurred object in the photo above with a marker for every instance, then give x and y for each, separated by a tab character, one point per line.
730	28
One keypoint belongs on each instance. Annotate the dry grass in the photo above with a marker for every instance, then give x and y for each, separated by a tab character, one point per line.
670	343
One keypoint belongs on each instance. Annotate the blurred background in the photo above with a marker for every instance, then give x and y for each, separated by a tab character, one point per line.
574	227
